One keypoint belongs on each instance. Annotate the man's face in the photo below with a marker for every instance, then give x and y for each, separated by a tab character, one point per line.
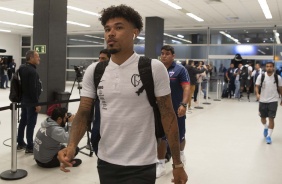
167	57
103	57
257	67
232	66
269	68
35	59
240	65
119	35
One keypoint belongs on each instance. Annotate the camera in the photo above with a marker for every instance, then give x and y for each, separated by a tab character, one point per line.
68	116
79	72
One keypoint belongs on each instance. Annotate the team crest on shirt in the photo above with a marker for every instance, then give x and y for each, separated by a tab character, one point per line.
135	80
171	73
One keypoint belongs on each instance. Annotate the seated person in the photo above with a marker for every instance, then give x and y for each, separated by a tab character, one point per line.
50	137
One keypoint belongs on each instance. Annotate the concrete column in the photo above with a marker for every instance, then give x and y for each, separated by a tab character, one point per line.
50	29
154	36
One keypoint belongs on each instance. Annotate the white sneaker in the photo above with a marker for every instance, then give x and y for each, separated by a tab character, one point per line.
190	108
160	170
183	159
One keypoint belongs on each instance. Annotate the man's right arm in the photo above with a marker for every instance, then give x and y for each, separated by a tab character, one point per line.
79	127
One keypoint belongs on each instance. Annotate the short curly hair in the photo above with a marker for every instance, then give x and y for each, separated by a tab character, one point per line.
122	11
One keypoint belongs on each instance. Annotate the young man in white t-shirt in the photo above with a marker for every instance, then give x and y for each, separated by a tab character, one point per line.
128	147
268	98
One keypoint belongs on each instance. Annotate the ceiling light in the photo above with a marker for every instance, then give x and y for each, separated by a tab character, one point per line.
230	37
78	40
4	30
171	4
180	36
276	35
265	8
16	11
141	37
83	11
78	24
15	24
94	37
188	41
195	17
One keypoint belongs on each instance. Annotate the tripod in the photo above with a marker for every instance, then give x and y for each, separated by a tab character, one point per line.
79	87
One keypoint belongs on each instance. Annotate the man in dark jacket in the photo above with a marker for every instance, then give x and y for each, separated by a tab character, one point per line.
31	90
193	71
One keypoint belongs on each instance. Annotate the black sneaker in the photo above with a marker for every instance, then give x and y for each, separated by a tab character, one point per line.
77	162
28	150
21	147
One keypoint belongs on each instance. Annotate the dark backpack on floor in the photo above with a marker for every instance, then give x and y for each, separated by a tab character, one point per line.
146	76
15	88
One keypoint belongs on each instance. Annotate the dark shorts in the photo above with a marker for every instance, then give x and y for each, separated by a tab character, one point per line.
117	174
268	109
245	83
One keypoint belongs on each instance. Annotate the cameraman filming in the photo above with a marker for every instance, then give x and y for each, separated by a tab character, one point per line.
49	139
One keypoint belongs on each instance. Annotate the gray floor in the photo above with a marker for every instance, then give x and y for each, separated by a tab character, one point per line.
225	145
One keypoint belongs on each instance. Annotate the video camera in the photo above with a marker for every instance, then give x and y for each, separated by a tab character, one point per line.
79	72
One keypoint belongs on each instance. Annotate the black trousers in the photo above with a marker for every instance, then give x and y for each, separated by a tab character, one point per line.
54	162
117	174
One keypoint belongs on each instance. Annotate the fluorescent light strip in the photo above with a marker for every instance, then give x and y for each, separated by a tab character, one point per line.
195	17
141	37
83	11
15	24
78	24
78	40
175	6
95	37
265	8
180	36
230	37
4	30
16	11
177	38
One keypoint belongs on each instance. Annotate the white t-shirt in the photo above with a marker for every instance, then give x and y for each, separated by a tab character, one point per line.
250	69
127	120
237	74
269	89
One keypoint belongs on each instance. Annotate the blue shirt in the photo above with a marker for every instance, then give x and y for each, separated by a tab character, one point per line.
178	76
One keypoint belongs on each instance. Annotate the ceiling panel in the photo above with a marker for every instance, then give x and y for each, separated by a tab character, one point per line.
215	14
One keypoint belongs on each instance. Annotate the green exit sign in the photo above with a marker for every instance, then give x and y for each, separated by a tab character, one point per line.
41	49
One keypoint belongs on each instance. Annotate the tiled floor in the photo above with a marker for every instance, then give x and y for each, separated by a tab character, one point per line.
225	145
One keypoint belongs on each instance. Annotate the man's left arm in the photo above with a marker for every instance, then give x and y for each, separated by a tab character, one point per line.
170	126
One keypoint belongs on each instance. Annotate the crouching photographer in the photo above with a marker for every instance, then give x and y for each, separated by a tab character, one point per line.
50	138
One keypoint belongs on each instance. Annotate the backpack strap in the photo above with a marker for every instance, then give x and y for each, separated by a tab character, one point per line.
146	76
98	73
276	81
261	81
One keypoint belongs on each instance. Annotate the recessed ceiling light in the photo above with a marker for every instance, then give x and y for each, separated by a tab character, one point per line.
4	30
195	17
78	24
15	24
188	41
265	8
16	11
83	11
171	4
180	36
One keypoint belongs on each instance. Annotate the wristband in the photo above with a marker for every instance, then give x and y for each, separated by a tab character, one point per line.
183	104
174	166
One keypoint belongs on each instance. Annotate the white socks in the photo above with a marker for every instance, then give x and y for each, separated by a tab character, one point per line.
181	152
269	132
265	125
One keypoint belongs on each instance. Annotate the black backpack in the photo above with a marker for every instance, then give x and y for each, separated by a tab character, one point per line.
244	73
15	88
276	81
146	76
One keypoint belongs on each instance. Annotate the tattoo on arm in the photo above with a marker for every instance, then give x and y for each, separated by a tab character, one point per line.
79	124
170	125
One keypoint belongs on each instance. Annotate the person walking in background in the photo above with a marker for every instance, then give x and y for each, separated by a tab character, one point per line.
231	80
268	90
180	89
31	90
192	71
128	147
236	74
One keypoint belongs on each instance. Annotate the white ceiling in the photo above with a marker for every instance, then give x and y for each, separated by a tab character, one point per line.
224	14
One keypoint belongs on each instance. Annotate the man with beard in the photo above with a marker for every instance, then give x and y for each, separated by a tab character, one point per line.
268	89
50	138
128	147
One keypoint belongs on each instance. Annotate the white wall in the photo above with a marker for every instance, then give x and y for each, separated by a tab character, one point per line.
12	44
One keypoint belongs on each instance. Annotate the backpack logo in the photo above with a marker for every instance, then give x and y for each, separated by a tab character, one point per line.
135	80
